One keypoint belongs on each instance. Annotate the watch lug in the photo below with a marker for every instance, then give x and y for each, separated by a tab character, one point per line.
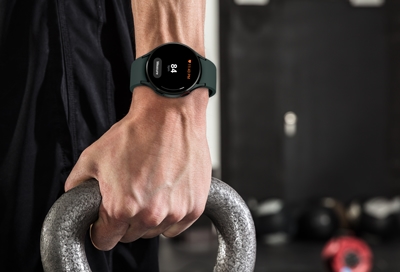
197	86
202	85
148	84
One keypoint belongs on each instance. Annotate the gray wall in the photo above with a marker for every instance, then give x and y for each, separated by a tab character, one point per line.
335	67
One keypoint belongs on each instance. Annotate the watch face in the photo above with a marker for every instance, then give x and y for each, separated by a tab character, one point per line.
173	68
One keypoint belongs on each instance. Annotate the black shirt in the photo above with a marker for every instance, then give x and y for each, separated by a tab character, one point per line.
64	70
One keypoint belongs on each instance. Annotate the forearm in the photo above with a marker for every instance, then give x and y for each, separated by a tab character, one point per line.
161	21
153	166
157	22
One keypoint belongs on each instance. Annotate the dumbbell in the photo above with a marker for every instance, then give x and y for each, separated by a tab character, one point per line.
66	224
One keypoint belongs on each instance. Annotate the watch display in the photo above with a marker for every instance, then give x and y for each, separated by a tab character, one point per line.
173	68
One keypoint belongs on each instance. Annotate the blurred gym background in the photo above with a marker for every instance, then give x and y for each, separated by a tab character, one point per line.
306	127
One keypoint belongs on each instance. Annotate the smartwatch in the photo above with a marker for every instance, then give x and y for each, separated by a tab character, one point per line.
173	70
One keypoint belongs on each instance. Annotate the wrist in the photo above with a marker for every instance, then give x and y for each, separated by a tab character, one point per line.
157	109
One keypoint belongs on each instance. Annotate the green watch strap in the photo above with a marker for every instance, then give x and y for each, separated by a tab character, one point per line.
138	72
208	76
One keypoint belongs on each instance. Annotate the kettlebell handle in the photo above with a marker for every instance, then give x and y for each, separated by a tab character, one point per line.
66	224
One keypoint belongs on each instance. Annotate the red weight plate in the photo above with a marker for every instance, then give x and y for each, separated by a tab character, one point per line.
347	254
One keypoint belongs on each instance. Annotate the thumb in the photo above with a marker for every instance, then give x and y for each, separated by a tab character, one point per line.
81	172
105	233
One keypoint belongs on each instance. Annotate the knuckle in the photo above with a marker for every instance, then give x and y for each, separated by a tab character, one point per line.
152	219
122	213
175	217
120	216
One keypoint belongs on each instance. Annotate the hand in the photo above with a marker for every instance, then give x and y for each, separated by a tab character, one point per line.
153	168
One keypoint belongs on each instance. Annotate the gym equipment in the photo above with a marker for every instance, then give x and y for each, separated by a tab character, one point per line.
375	216
65	226
273	222
347	254
321	220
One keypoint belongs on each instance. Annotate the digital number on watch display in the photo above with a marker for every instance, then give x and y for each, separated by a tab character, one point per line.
173	68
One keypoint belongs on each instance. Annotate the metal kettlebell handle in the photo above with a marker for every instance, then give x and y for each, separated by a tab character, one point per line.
66	224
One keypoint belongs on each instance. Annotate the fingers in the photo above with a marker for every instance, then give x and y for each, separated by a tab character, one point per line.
132	216
166	224
147	221
184	224
106	232
174	224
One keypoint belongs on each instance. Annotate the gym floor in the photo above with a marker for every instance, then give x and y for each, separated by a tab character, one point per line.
197	252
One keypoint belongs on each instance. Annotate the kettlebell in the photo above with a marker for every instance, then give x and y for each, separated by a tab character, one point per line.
65	226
